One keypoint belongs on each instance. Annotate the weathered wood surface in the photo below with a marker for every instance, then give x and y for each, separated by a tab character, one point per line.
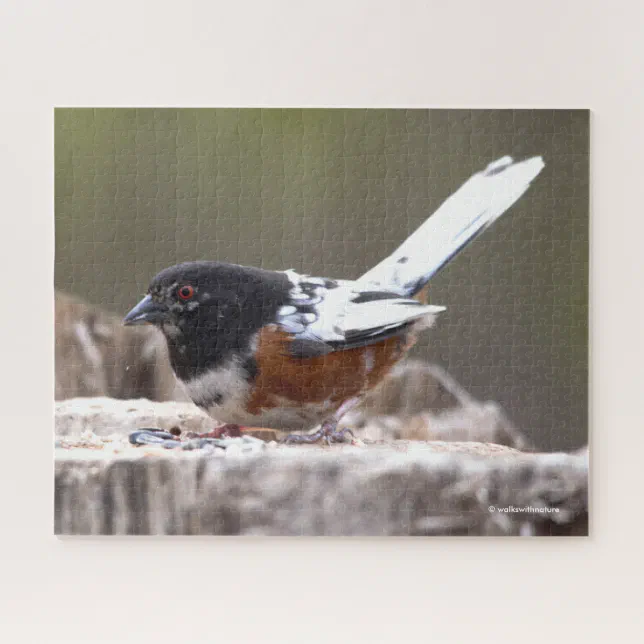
402	488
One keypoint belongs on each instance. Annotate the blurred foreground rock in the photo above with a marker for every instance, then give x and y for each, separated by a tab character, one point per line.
106	486
97	356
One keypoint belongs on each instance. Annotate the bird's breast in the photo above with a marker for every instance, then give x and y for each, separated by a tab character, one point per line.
290	393
228	397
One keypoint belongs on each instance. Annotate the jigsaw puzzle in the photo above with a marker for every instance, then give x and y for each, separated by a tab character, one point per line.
321	321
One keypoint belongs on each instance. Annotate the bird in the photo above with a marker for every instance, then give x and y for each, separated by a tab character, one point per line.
295	352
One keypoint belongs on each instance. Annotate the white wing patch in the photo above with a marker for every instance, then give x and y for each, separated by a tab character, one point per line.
328	315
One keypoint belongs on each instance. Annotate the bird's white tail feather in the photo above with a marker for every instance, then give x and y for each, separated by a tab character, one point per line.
470	210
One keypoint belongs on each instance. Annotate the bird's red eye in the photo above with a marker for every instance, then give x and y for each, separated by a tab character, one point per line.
186	292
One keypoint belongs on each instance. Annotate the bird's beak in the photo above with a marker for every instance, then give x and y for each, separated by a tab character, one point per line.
147	310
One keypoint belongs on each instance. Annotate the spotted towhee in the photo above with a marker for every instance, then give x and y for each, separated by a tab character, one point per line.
290	351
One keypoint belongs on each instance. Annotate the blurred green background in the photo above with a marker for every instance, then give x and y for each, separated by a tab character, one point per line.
331	192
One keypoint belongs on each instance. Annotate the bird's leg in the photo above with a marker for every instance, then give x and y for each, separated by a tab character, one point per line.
328	431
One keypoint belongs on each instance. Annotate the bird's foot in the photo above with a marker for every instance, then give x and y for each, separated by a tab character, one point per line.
328	433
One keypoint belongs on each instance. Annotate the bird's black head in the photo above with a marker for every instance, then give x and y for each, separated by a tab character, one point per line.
183	295
208	310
